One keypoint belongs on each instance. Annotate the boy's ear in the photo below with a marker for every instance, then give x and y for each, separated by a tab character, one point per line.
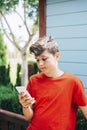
57	55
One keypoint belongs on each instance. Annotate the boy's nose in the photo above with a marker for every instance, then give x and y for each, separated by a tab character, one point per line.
40	62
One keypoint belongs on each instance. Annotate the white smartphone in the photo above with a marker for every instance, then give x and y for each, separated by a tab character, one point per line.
21	89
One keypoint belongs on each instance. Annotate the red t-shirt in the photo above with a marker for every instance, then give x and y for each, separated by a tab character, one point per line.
57	101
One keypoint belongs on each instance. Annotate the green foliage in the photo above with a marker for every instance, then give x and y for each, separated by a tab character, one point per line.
18	80
4	71
81	123
2	51
30	5
4	75
9	99
8	81
32	8
7	5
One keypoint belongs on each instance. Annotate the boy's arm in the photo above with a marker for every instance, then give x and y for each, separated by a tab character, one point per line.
84	110
28	113
27	105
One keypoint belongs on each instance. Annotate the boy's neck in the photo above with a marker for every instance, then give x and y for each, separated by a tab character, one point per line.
56	74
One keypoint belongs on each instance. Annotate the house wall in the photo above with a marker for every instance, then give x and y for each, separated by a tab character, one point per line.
66	21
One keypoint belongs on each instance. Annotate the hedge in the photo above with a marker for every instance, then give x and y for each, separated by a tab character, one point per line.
9	99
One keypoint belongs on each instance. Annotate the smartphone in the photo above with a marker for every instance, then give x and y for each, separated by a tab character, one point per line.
21	89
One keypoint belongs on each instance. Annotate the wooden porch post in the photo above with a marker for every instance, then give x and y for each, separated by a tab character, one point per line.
42	18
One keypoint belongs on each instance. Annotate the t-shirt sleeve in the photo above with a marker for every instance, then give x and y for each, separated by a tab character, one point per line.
79	94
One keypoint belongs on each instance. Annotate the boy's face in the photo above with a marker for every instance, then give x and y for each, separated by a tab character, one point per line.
47	62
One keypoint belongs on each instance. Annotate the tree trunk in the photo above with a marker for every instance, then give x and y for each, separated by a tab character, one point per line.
24	69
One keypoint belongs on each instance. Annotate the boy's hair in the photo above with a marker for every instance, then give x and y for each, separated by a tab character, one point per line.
42	44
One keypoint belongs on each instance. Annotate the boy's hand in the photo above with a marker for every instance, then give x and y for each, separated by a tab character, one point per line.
25	100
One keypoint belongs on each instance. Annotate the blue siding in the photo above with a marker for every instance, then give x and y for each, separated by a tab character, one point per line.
68	32
58	19
66	21
65	6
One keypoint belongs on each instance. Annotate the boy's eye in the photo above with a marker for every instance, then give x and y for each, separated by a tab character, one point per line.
44	59
37	60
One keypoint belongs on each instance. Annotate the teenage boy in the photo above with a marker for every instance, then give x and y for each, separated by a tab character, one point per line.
57	94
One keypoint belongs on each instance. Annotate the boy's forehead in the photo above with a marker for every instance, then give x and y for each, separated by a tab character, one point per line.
43	54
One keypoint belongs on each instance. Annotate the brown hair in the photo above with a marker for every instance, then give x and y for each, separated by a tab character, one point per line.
42	44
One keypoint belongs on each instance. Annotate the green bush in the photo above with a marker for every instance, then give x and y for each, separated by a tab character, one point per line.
81	123
4	75
18	79
8	80
9	99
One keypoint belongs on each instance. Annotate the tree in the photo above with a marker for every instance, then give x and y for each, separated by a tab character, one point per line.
2	51
29	10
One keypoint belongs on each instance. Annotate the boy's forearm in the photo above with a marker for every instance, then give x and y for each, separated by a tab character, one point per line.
28	113
84	110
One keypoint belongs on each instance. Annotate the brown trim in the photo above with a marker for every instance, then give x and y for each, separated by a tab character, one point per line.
42	18
18	121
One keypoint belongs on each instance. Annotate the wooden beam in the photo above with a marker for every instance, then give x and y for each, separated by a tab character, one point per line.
13	117
42	18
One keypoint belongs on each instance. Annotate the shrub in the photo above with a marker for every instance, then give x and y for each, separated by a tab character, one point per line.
81	123
4	75
9	99
18	80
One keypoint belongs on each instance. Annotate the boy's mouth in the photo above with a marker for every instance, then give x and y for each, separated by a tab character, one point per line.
43	68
